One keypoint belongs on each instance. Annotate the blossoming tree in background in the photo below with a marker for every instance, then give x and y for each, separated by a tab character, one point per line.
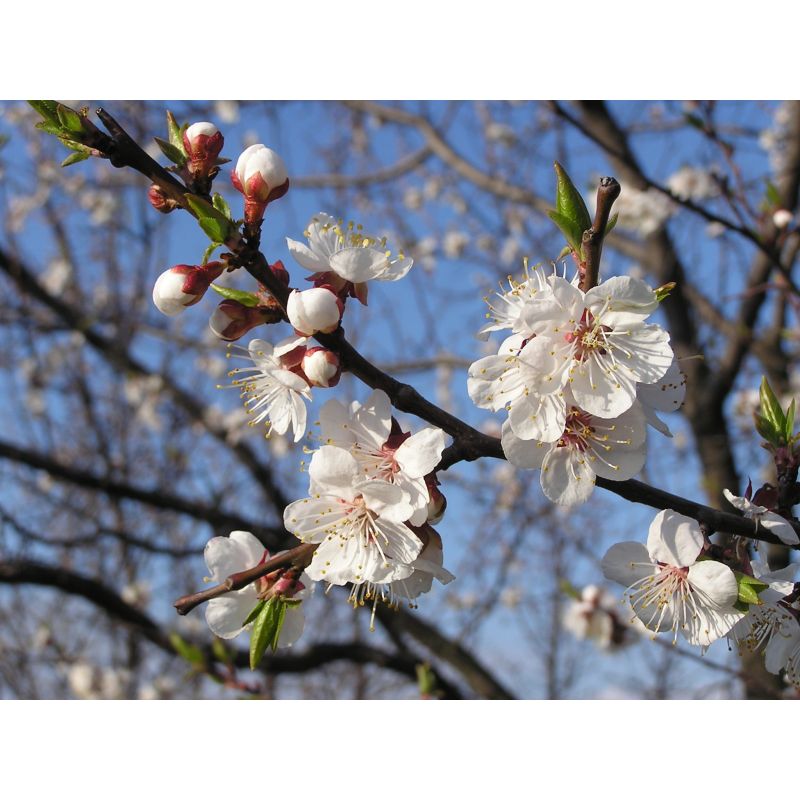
581	371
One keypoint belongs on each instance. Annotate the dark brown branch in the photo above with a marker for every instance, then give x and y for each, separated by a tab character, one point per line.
299	556
219	518
592	244
25	572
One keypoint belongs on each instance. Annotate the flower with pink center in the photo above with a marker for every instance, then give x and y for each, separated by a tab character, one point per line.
345	257
383	451
271	388
226	555
587	446
668	588
358	523
597	343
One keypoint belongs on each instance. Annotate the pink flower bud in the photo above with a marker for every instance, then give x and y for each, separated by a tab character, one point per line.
203	144
782	218
261	176
183	286
160	201
321	367
314	310
280	272
231	320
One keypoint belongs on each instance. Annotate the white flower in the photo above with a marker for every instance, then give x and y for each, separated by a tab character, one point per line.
666	394
505	312
383	451
782	218
427	566
313	311
350	254
690	183
597	344
668	588
321	367
783	652
644	212
770	521
357	523
595	616
260	172
587	446
225	615
272	391
772	615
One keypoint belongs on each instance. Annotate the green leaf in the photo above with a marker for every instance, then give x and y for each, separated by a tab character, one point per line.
208	252
266	630
215	225
766	430
245	298
175	135
663	292
426	679
185	650
71	121
749	588
47	108
695	121
255	612
789	428
569	202
771	409
773	195
50	127
572	232
175	155
611	224
221	204
569	589
220	651
74	158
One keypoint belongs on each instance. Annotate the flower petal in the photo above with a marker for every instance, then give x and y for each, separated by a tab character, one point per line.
674	539
627	562
359	264
525	454
567	479
333	471
420	453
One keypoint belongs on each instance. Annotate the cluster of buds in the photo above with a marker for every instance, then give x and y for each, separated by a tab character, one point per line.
261	176
184	285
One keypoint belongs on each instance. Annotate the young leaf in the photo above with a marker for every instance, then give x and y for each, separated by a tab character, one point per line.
254	613
245	298
221	205
175	135
570	229
186	651
770	407
209	251
773	196
47	108
220	651
569	589
749	588
569	202
70	120
266	629
215	225
74	158
51	128
611	224
766	430
788	430
663	292
174	154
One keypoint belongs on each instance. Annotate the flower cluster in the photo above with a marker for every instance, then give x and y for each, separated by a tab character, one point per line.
581	376
369	505
594	615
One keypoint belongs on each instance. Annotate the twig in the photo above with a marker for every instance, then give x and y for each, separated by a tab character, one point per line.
592	243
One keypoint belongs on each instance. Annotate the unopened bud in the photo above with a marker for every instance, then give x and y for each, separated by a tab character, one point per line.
322	367
231	320
280	272
160	201
183	286
261	176
437	503
782	218
203	143
314	311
